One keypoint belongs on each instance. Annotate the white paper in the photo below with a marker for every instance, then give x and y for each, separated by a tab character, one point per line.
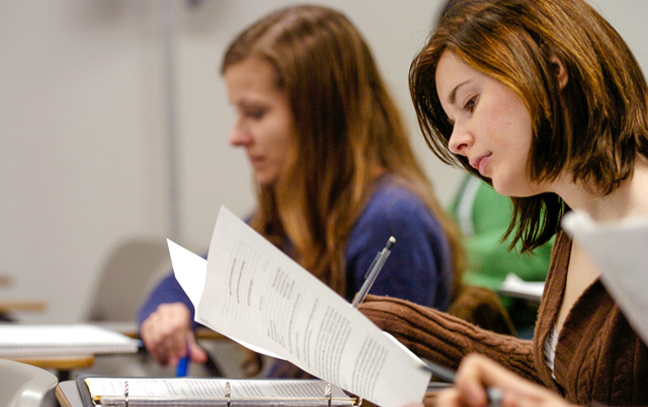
620	251
191	270
256	294
192	282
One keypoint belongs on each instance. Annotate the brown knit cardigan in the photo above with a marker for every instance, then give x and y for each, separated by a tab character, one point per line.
598	356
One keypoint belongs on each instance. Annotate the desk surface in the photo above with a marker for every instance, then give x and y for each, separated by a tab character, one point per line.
63	365
59	362
21	305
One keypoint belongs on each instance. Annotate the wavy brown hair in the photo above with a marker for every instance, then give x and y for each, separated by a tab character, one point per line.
350	132
592	129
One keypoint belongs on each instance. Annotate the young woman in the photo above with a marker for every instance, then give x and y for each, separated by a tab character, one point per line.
334	171
544	100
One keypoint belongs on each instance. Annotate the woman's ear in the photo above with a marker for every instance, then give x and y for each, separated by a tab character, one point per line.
559	70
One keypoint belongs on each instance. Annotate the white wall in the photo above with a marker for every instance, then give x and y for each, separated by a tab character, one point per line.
84	126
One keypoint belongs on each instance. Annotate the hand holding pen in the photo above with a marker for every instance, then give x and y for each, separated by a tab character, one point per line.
167	335
440	373
481	382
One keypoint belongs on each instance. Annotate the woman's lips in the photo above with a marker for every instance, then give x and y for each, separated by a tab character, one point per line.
479	163
255	160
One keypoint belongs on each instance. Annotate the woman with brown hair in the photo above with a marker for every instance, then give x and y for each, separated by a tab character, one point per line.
335	174
544	100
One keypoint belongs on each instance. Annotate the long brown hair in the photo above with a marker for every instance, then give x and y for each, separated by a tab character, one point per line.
592	129
349	131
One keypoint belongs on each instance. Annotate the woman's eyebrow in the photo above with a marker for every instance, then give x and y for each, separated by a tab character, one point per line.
452	98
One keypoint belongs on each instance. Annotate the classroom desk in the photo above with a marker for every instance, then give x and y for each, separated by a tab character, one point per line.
21	305
515	287
9	307
63	365
533	298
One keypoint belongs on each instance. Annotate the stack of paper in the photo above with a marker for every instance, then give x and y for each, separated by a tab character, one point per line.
25	341
253	293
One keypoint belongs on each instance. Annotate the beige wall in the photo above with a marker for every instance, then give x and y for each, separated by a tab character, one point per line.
84	126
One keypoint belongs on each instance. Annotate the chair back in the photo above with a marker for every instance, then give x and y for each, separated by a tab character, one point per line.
127	275
24	385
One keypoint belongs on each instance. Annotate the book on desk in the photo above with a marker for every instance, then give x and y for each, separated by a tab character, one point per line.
95	391
28	341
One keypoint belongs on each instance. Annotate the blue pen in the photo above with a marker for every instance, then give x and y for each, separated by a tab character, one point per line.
181	369
183	365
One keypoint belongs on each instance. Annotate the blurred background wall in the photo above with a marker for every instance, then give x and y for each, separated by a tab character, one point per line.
114	125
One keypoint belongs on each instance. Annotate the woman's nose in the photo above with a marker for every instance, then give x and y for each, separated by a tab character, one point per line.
239	135
460	141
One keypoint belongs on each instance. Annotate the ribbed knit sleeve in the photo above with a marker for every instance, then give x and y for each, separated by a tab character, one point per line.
445	339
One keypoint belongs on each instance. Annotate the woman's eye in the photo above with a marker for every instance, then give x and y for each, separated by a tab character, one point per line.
470	105
254	113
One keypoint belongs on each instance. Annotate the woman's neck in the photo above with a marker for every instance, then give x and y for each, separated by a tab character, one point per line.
630	199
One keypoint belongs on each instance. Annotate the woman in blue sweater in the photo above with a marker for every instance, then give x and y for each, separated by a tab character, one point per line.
334	171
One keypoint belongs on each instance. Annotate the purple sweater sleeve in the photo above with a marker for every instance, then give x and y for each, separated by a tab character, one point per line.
167	291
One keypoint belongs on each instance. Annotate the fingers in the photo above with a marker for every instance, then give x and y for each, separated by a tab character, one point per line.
197	354
446	398
165	333
477	373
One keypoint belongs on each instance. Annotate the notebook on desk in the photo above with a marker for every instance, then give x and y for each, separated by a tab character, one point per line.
26	341
134	392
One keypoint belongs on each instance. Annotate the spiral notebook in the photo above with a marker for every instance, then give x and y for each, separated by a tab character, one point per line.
25	341
141	392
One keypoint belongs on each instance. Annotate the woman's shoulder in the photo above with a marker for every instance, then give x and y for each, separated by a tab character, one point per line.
392	201
391	192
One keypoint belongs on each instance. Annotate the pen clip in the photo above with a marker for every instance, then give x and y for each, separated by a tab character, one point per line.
373	263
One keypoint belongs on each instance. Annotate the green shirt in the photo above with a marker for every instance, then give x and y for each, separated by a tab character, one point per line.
484	215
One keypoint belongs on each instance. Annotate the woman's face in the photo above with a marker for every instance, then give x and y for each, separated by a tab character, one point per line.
492	126
264	123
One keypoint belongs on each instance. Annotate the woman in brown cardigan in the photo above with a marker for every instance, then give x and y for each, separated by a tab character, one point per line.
543	99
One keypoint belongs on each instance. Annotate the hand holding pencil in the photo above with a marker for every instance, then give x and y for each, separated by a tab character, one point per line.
477	374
